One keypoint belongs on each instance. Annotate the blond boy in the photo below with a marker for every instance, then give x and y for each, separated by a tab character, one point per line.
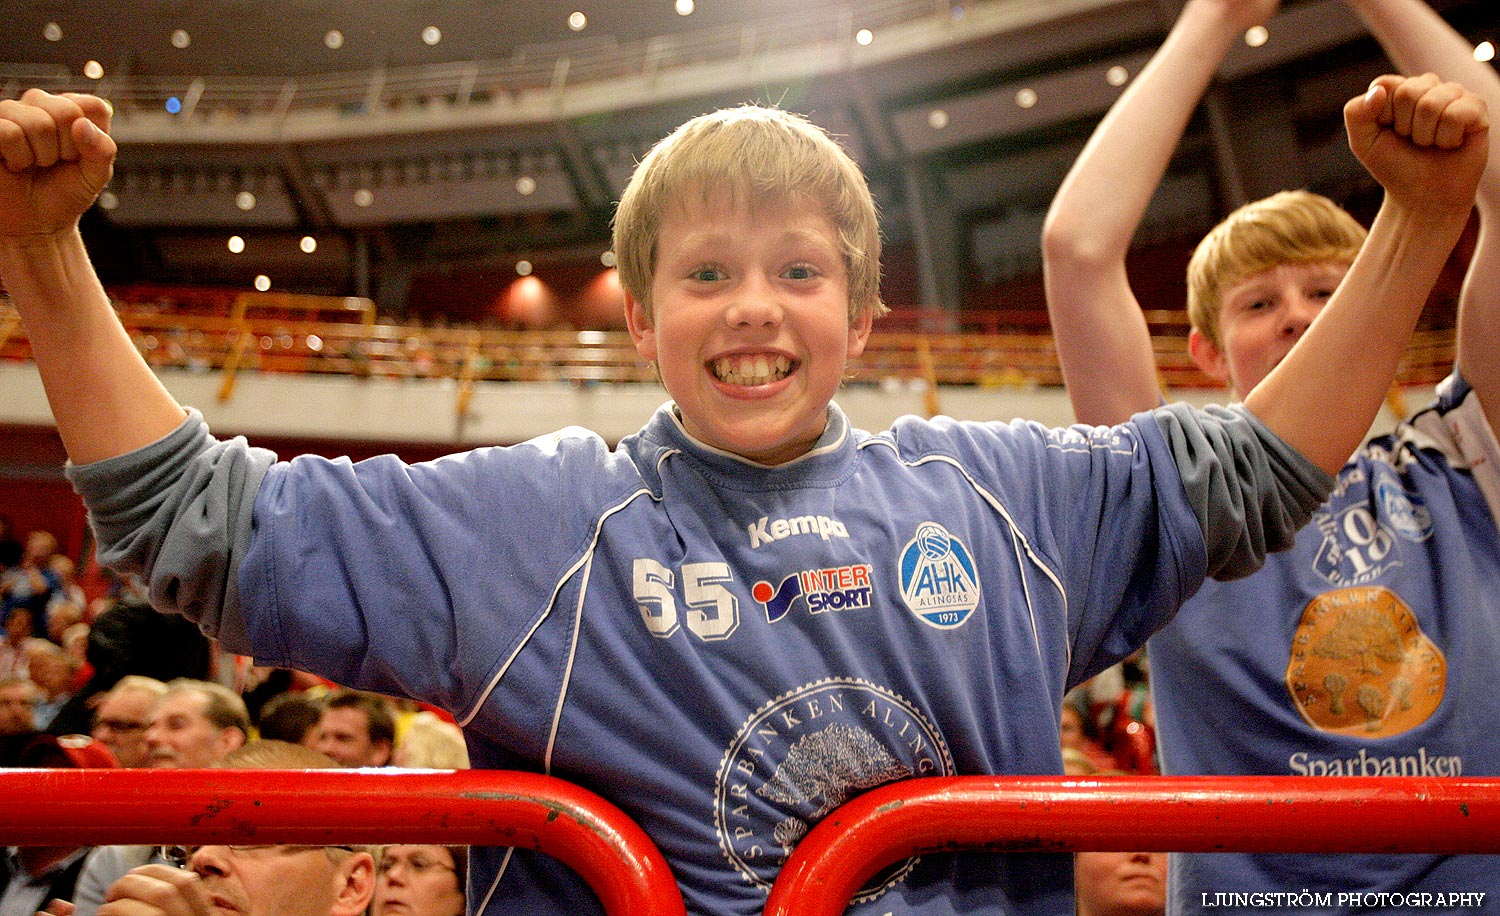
749	611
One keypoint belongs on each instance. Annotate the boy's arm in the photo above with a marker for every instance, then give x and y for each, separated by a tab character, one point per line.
1427	143
55	157
1103	343
1419	40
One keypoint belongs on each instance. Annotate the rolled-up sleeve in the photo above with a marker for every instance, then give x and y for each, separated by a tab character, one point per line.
179	513
1250	490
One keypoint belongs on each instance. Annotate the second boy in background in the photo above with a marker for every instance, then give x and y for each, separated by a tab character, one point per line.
1372	647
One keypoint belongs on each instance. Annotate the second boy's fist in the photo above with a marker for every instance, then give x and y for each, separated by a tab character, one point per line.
1425	140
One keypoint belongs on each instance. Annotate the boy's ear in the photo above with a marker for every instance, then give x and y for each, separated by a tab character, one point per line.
859	332
1207	355
640	327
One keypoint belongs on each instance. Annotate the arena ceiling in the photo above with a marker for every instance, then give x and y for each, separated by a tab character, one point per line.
415	137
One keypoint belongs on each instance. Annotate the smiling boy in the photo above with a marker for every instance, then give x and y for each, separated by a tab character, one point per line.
748	612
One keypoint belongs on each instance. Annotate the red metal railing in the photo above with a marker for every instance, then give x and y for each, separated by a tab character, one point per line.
472	807
1131	813
881	827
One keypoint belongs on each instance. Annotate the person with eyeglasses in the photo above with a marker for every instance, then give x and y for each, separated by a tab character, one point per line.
420	881
121	718
253	880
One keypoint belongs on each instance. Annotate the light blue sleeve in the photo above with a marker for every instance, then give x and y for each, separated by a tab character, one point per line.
179	513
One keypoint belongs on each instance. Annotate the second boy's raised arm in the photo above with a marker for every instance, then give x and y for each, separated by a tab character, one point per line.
1419	41
1426	142
1103	343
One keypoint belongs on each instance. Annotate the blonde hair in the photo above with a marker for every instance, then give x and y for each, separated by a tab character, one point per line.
429	743
1291	227
760	157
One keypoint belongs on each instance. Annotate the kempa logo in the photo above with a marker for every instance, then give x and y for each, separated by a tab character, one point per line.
767	531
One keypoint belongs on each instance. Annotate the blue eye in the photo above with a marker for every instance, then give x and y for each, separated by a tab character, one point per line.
708	275
800	272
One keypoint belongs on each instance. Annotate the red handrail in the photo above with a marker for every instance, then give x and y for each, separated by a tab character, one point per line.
471	807
1130	813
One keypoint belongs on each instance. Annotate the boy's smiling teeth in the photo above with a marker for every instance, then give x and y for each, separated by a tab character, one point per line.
751	370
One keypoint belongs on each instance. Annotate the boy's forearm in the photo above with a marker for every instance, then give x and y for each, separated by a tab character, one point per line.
1419	40
1324	395
1104	345
104	397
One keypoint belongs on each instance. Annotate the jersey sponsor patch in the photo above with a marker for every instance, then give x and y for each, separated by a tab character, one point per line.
1360	545
1361	665
834	588
938	579
805	753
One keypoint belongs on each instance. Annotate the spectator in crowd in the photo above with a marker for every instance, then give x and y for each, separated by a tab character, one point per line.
32	583
122	716
1275	673
15	651
357	729
1121	883
52	671
291	716
193	724
431	743
17	717
1115	883
258	880
420	881
32	875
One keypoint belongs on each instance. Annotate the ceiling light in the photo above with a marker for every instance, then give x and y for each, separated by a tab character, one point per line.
236	245
108	200
52	32
364	197
684	7
577	21
1484	52
262	282
308	244
523	268
1257	36
93	70
607	259
432	35
1026	98
525	186
334	39
1117	76
937	119
864	36
180	38
244	200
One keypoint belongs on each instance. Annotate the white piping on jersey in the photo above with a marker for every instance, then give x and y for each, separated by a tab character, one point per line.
1018	539
551	604
562	690
494	885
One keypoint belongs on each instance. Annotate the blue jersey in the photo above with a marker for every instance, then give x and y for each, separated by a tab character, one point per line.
727	651
1369	649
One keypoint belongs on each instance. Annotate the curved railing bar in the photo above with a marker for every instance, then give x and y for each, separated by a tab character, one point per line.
1142	813
471	807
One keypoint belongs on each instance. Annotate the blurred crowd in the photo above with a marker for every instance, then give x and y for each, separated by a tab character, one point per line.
92	677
